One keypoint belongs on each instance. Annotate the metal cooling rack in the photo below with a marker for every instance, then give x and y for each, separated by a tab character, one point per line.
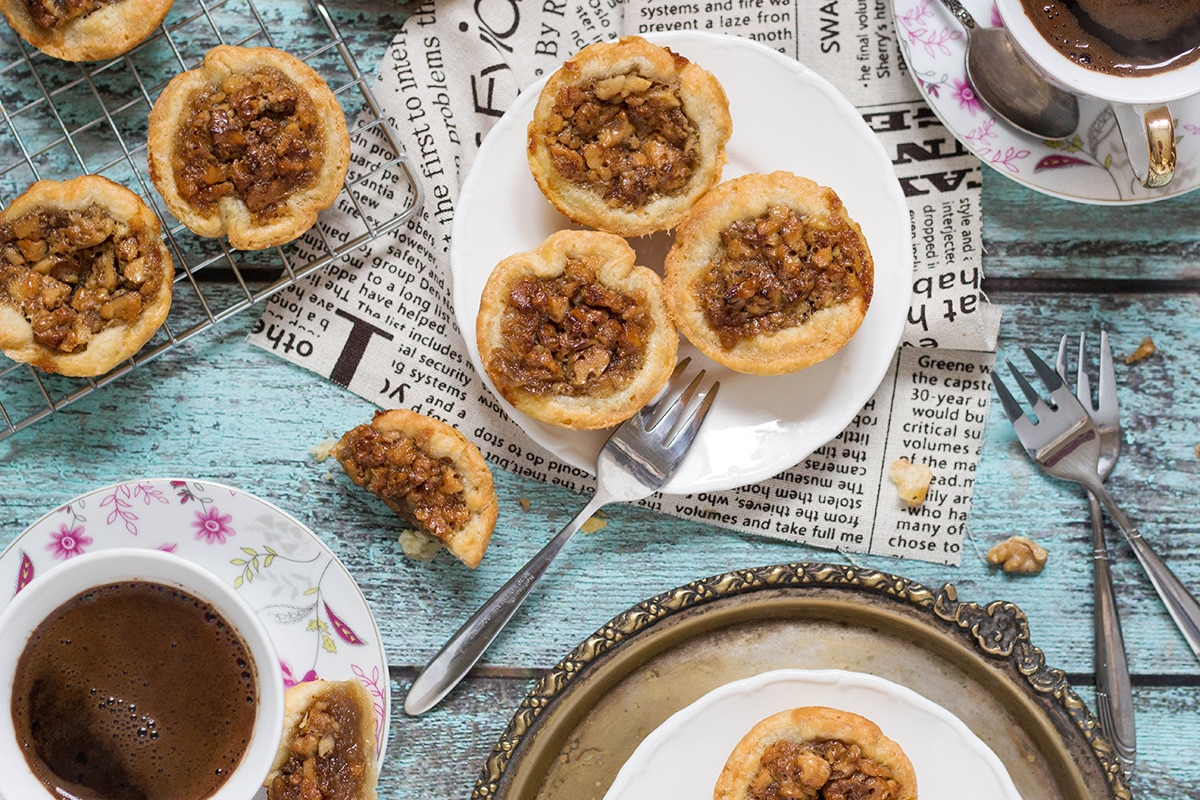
61	120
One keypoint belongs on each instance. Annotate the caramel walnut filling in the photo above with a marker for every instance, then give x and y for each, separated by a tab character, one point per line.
256	136
74	273
775	271
326	761
425	490
50	14
571	335
821	770
626	137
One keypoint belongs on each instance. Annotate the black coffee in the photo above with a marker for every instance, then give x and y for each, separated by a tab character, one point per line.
1121	37
134	691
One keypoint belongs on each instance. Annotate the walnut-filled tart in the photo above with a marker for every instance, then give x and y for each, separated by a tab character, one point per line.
769	274
251	145
816	752
85	279
84	30
574	333
627	135
327	751
428	473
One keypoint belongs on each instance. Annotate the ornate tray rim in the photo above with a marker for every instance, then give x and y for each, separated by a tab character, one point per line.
999	631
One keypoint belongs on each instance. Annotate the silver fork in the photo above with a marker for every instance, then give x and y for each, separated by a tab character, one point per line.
1114	693
636	461
1065	444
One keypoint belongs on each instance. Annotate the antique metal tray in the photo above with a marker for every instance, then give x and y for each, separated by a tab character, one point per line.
571	734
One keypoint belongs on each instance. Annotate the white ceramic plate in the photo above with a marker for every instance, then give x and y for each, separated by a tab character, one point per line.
1091	167
317	617
682	758
785	117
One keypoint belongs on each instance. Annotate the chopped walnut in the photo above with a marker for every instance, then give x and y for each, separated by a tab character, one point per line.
1144	350
526	503
821	770
912	480
1018	554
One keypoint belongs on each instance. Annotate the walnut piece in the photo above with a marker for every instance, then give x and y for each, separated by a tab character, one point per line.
1144	350
912	480
822	769
1018	554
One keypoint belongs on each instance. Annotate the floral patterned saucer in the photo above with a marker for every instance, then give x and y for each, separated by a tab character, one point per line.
317	617
1090	167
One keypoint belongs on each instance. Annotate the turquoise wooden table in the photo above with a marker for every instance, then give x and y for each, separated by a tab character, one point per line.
217	408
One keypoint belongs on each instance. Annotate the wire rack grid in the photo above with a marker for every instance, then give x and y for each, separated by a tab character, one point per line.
59	120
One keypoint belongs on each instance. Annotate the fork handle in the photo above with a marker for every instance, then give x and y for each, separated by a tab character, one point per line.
1114	692
1181	604
465	647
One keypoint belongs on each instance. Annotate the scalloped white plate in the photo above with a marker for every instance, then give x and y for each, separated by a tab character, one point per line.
682	758
318	619
787	117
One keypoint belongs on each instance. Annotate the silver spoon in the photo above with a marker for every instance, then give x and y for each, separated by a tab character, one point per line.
1009	86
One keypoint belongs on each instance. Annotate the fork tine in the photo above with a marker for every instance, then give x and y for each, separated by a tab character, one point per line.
670	415
1030	393
1108	380
1083	388
1011	407
1048	376
650	410
686	431
1060	364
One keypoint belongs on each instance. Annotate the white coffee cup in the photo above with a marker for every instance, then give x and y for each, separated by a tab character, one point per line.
1140	102
47	592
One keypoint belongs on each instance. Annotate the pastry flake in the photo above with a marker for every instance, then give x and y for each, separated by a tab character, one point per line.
429	474
327	751
815	752
574	333
85	30
912	480
769	274
251	145
627	135
85	279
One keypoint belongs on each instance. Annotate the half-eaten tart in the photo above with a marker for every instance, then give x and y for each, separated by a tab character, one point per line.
252	145
816	752
85	279
327	751
627	135
428	473
768	274
85	30
574	333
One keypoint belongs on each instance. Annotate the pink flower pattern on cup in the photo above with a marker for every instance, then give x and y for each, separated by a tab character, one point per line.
68	541
212	526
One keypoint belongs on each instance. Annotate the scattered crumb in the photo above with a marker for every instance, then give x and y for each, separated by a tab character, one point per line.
593	524
419	546
525	503
1018	554
1198	451
321	450
912	480
1145	350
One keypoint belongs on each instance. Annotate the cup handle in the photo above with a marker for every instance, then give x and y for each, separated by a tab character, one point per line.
1149	135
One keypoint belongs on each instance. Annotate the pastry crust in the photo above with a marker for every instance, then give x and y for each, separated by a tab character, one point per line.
113	28
815	725
348	767
76	307
769	274
429	474
574	333
625	167
260	184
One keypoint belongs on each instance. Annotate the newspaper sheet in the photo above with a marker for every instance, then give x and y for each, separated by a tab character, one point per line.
382	324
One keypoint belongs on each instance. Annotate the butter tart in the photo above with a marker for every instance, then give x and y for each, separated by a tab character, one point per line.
327	751
252	145
768	274
627	135
428	473
574	333
85	279
816	752
85	30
